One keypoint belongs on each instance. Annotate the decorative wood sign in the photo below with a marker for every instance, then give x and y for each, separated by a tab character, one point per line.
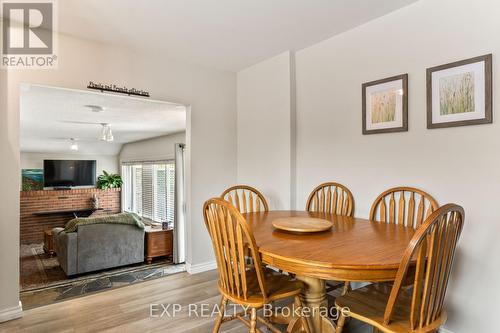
116	89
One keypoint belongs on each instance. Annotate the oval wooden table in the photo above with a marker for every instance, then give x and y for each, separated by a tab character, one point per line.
353	249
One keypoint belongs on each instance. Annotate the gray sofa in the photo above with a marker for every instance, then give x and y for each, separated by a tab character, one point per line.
98	246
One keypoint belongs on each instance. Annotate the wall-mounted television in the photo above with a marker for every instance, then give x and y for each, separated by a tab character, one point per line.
69	173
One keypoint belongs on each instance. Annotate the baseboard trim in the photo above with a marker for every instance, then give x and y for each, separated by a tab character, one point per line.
200	268
444	330
11	313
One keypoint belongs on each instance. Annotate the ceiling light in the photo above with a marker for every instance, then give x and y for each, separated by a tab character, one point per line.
106	133
95	108
109	135
74	145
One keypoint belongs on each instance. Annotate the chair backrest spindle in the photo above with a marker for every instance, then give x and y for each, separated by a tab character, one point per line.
331	197
397	205
432	248
231	236
246	199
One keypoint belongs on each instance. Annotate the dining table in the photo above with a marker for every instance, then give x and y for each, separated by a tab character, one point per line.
353	249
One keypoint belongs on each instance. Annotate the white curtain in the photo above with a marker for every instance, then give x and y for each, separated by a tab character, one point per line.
180	207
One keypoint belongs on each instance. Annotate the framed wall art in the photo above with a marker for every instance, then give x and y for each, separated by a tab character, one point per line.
32	179
460	93
385	105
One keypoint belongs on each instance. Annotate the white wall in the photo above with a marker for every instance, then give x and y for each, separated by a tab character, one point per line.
458	165
265	128
211	95
160	148
455	165
9	206
104	162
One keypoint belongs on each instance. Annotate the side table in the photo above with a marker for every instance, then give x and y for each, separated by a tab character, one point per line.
159	242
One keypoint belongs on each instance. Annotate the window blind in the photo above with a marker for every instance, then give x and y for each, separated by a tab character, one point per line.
149	189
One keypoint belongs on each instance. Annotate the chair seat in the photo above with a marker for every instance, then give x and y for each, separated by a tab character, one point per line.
279	286
368	305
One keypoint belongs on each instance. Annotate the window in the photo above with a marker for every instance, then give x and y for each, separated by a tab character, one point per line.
149	190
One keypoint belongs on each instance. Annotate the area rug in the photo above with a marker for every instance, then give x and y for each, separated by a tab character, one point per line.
44	282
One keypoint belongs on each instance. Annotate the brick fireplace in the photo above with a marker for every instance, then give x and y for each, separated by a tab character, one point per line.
39	209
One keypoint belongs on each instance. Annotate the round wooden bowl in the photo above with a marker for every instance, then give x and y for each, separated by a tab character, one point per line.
302	224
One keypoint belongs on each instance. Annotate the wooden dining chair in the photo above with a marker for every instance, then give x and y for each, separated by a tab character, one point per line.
332	198
251	286
408	206
418	309
246	199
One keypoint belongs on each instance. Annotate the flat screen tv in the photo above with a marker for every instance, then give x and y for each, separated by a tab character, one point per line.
69	173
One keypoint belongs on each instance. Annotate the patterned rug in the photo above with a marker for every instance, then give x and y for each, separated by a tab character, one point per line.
44	282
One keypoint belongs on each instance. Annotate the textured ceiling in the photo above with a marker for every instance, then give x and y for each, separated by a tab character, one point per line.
51	116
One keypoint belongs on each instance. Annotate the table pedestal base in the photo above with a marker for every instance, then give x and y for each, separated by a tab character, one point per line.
295	326
314	297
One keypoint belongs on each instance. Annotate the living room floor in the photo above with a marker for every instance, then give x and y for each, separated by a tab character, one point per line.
128	309
44	282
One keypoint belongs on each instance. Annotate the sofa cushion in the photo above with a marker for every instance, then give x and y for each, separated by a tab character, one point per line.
102	246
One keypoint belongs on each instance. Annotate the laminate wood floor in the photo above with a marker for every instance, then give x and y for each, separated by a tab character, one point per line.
128	309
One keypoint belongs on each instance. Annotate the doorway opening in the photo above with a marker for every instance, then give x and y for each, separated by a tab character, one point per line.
102	192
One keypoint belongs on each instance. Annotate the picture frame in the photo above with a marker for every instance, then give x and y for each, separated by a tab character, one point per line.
460	93
32	179
385	105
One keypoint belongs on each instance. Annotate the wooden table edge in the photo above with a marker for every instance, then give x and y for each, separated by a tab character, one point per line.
348	273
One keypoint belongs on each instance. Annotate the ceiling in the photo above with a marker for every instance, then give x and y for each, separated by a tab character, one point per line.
223	34
51	116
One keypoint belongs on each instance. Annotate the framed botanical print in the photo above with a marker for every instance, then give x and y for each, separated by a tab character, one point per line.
460	93
385	105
